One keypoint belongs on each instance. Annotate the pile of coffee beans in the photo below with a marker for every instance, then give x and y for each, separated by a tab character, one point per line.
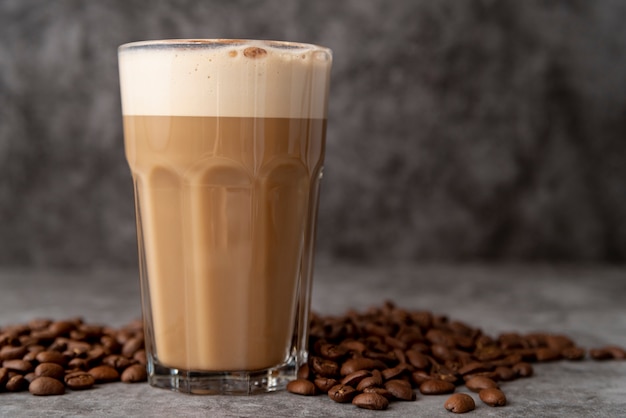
47	357
387	354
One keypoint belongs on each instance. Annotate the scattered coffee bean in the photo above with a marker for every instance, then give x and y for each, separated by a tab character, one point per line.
598	354
573	353
19	366
17	383
523	369
353	379
52	370
342	393
134	374
79	380
371	401
104	374
478	383
46	386
51	357
492	397
4	376
436	387
400	389
460	403
301	387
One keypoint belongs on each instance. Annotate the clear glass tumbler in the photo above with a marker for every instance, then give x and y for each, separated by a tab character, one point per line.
225	142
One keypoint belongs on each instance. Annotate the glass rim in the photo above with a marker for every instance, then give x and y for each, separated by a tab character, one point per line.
213	43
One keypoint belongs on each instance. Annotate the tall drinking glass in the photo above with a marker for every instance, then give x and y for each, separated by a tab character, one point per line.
225	142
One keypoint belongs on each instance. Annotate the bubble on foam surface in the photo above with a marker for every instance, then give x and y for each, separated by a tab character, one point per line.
224	78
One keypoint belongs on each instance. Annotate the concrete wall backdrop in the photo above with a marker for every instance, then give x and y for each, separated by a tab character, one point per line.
458	130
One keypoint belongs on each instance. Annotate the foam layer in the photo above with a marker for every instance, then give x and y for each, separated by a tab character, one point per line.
224	78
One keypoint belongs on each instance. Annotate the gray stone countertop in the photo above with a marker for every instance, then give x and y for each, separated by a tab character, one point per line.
585	303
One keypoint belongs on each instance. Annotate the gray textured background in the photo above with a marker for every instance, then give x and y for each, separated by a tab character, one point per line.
458	130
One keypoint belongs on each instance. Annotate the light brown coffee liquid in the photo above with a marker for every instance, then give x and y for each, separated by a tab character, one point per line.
224	209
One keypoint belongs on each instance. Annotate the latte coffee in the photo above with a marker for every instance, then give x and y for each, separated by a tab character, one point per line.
225	141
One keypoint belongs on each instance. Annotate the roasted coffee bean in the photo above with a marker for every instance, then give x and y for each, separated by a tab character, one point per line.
61	328
420	376
52	370
332	352
134	374
547	354
342	393
30	376
523	369
573	353
475	367
4	376
301	387
372	401
478	383
140	357
322	367
78	363
46	386
618	353
489	353
104	374
558	342
361	363
460	403
395	372
436	387
600	354
79	380
303	371
51	357
371	381
353	379
492	397
117	361
353	346
132	345
9	352
505	373
381	391
400	389
17	383
442	353
19	366
323	384
417	360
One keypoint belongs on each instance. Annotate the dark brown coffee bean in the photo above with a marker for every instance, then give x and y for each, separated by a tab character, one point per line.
437	336
353	379
304	372
505	373
371	381
395	372
544	354
78	363
17	384
332	352
475	367
372	401
4	376
104	374
30	376
523	369
353	346
52	370
132	345
507	361
417	360
342	393
18	366
361	363
117	362
489	353
140	357
600	354
111	343
134	374
478	383
460	403
558	342
381	391
573	353
301	387
445	374
46	386
492	397
420	376
79	380
51	357
9	352
323	384
39	324
322	367
400	389
442	353
618	353
436	387
61	328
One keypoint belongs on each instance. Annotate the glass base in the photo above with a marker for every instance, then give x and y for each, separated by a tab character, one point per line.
221	383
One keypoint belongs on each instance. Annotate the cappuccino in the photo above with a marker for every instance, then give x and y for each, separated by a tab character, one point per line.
225	142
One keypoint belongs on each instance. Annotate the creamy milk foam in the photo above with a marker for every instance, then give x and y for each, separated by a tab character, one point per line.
225	141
